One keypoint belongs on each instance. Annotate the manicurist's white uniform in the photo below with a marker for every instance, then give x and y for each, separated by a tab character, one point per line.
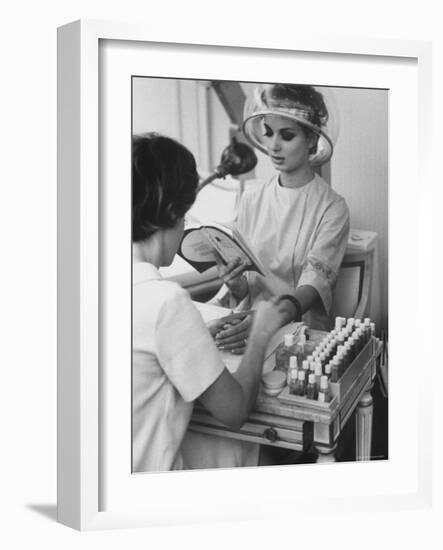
174	361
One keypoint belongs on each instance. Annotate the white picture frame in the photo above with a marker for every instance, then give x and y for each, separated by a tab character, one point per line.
80	440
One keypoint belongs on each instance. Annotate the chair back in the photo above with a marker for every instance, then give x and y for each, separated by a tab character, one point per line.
352	293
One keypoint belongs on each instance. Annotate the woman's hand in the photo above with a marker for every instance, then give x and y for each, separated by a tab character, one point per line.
265	321
234	335
231	275
215	326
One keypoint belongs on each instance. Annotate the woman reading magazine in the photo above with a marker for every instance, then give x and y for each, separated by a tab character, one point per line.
295	223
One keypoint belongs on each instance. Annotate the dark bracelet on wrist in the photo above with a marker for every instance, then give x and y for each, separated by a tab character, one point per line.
298	309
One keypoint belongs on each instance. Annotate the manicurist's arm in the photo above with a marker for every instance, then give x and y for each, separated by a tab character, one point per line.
231	397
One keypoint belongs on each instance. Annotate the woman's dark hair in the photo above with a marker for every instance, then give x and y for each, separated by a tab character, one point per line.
301	95
164	183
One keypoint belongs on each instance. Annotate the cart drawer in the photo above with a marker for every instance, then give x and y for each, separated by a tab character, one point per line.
259	428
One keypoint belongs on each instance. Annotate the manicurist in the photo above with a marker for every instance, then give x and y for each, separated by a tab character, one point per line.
175	360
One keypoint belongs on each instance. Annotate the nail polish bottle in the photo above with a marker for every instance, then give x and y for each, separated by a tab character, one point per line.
341	337
312	367
366	331
339	323
293	367
306	365
318	374
328	370
300	347
293	381
351	322
322	358
349	351
345	359
311	388
284	352
324	394
300	384
335	369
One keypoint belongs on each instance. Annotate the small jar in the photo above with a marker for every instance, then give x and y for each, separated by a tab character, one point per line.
274	382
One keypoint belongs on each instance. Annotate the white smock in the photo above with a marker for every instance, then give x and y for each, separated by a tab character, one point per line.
300	236
174	361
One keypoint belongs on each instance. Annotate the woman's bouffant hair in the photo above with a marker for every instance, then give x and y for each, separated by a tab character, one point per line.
164	183
301	95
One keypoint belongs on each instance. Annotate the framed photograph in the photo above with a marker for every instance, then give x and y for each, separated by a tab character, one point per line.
122	86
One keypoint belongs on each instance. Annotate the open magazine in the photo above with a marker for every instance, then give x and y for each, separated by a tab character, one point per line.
201	243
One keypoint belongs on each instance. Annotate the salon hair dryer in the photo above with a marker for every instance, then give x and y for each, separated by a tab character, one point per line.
237	158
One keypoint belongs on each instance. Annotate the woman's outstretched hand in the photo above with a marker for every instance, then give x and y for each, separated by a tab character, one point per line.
262	323
234	335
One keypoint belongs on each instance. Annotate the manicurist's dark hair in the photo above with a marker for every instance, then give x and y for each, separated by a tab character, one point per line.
164	183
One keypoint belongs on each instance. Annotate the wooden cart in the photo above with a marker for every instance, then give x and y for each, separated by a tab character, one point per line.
299	425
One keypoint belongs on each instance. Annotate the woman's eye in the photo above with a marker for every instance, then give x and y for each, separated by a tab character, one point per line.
268	132
287	136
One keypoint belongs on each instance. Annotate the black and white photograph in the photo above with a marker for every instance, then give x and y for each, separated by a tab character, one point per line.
259	274
222	275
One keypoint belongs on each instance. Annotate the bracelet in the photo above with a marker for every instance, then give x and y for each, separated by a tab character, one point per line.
295	303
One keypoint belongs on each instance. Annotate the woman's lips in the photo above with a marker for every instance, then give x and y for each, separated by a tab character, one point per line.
277	159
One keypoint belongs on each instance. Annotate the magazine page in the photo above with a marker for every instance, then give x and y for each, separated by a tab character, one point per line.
195	247
198	245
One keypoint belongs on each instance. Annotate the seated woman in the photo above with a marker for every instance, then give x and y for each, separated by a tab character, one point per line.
295	223
175	360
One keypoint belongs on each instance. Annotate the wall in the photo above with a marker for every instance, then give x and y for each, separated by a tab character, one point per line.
359	172
177	108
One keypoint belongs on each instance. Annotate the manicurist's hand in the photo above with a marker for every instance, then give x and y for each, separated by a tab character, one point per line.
231	275
231	397
268	318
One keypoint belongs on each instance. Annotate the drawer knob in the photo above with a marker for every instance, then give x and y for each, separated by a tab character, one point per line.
270	434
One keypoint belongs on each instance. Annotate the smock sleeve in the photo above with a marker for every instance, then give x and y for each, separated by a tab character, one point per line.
185	349
323	260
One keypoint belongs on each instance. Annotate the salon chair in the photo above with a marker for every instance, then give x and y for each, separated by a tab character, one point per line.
353	290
